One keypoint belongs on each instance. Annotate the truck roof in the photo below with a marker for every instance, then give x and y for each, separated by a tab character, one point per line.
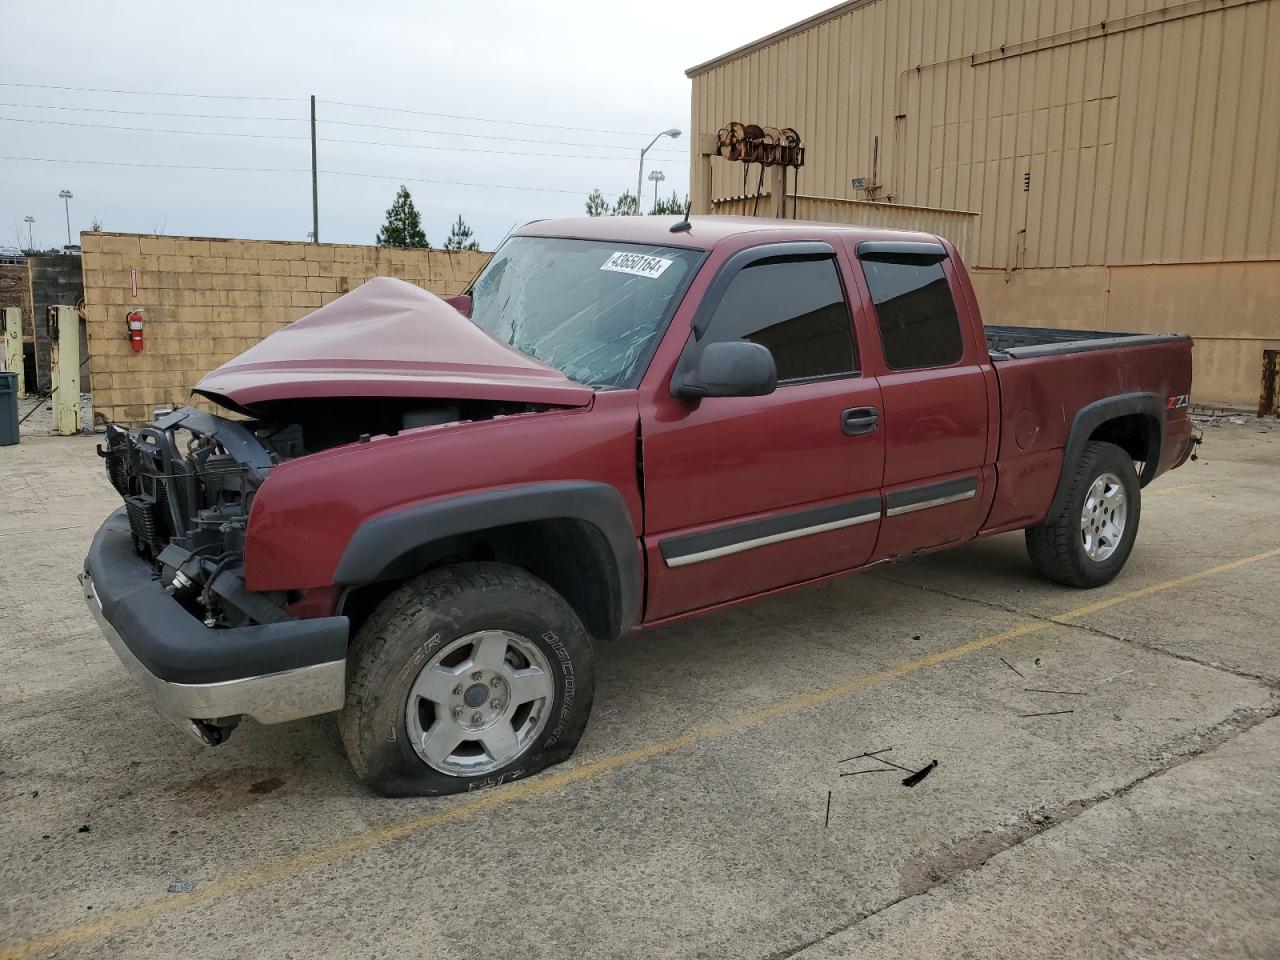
707	231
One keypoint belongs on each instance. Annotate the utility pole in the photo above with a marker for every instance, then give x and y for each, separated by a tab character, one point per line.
31	230
315	183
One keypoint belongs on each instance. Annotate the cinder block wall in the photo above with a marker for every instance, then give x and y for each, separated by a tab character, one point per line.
204	301
15	290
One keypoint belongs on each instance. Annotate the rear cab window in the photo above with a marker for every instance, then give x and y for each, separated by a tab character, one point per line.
794	306
915	311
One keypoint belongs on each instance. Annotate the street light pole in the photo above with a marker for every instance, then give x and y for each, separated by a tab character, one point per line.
674	134
66	196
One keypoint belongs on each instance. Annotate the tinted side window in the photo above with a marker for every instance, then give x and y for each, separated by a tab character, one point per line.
918	322
794	307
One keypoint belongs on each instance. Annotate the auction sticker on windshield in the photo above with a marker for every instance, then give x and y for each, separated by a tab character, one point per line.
636	264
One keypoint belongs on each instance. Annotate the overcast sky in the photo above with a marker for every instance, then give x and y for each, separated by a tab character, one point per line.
592	66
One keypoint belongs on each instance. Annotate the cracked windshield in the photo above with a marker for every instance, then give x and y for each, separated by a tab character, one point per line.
592	309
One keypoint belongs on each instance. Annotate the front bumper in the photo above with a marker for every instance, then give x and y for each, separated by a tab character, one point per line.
271	672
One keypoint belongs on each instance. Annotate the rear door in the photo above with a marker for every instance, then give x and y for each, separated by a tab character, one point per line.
937	391
747	494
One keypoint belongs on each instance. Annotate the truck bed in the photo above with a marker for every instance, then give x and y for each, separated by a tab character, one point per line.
1016	343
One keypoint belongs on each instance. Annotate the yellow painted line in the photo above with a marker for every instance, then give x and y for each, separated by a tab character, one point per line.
548	782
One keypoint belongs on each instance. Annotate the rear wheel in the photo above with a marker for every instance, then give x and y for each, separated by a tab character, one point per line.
466	677
1088	541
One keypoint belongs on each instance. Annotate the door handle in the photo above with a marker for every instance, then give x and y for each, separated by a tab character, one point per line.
857	421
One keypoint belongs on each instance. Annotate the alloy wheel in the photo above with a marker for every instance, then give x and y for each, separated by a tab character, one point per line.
479	703
1103	516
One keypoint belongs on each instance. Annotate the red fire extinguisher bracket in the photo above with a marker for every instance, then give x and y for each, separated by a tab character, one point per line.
133	321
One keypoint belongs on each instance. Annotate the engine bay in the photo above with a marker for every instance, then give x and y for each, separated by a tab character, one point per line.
188	481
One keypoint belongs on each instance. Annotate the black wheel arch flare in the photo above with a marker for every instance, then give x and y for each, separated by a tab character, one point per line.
1093	415
380	543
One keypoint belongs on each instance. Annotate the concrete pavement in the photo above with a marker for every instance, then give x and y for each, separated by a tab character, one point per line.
691	821
1183	845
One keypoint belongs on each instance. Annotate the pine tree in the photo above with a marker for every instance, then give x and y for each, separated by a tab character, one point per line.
674	206
627	205
461	237
597	205
403	227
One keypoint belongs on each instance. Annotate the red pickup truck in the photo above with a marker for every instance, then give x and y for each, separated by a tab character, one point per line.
434	508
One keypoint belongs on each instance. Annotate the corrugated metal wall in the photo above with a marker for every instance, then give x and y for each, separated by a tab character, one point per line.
1151	132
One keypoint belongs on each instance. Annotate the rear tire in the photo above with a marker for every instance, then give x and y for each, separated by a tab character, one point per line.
469	676
1088	541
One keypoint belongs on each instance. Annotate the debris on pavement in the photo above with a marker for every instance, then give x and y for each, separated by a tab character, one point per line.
920	774
1065	693
827	822
871	753
1047	713
892	764
84	828
182	886
913	776
1011	666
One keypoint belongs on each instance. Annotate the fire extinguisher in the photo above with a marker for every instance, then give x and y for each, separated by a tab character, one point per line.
134	323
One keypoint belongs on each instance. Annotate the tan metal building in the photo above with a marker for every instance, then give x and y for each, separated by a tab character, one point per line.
1122	156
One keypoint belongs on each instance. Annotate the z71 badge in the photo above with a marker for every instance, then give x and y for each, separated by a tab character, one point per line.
1179	401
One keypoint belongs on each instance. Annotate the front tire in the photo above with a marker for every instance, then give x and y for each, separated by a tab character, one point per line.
466	677
1088	541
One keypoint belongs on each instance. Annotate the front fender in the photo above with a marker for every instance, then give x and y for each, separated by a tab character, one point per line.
380	542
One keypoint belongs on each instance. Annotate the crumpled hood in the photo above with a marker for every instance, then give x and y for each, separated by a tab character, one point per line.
387	338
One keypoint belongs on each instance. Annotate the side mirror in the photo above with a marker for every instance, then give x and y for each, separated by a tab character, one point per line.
461	303
733	368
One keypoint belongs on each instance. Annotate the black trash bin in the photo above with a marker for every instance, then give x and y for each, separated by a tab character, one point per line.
8	408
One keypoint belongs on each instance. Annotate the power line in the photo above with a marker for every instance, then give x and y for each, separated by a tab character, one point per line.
487	136
274	136
165	166
277	136
458	116
458	183
112	126
340	103
149	93
451	149
334	173
153	113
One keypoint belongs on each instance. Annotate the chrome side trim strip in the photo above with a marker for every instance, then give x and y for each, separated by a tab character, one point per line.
926	504
730	538
742	545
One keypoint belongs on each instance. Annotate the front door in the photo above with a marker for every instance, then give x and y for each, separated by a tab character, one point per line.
748	494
